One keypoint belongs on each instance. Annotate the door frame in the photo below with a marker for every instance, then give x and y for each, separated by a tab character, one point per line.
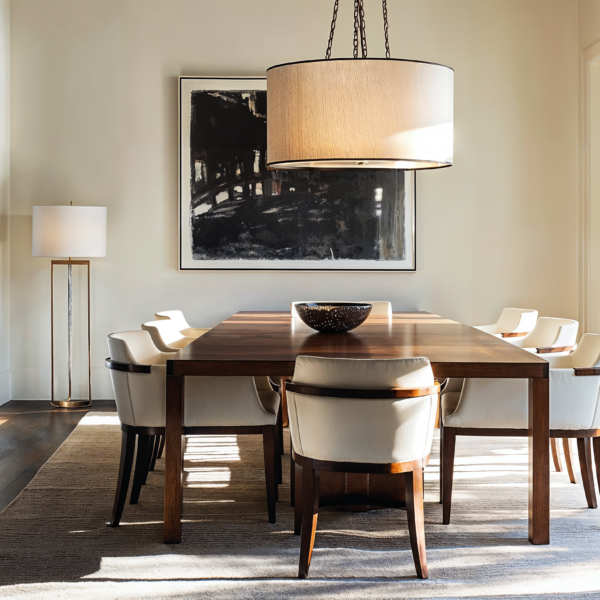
589	56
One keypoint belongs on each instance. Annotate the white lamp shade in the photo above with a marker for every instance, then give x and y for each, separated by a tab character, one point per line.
63	231
360	113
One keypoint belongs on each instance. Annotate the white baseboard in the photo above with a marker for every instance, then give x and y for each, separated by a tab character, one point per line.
32	384
5	386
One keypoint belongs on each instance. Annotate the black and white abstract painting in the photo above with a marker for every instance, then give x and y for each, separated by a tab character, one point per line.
235	214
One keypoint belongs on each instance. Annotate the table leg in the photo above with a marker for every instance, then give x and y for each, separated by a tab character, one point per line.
539	461
174	459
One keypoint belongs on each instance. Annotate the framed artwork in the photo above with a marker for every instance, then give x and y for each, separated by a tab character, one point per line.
235	214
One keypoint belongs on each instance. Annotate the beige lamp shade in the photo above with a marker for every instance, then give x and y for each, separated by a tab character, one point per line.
63	231
360	113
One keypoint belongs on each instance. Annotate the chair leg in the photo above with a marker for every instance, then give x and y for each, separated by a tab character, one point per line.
161	447
155	452
584	447
556	456
448	451
151	444
441	462
141	468
278	463
568	451
127	453
597	458
280	430
269	449
413	483
292	481
310	499
297	498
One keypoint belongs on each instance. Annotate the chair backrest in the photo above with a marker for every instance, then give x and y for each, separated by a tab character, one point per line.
140	397
134	347
549	332
173	315
512	320
380	307
587	353
367	430
516	320
163	334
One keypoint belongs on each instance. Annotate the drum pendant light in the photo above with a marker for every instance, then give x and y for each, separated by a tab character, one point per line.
378	113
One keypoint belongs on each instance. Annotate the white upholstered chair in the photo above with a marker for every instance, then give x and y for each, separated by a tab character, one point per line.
171	332
379	307
362	416
166	336
213	405
499	407
180	323
513	322
549	336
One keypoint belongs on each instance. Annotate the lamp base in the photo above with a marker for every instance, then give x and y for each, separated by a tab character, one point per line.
71	403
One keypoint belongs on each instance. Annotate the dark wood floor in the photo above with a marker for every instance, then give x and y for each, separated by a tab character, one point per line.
30	433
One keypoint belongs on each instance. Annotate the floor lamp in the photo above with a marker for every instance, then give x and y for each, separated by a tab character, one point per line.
69	232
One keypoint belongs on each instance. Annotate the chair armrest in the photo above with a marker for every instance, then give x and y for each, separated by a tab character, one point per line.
309	390
586	371
514	334
550	349
127	367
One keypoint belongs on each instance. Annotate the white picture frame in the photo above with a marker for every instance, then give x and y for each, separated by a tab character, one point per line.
210	206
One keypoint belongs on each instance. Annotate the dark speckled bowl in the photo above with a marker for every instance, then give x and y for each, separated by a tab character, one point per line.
333	317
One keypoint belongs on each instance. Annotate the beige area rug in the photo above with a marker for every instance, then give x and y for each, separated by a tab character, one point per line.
55	542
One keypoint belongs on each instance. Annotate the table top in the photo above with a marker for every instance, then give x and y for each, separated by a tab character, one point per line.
267	343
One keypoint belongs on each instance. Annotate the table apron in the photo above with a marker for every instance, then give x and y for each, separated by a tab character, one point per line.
286	369
491	370
217	368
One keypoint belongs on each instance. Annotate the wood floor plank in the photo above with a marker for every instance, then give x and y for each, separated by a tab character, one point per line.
31	431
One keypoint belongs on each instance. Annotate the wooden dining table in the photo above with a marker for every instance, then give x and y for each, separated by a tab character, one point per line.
268	343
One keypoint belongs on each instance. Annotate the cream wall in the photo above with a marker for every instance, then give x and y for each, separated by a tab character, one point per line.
588	20
4	200
94	120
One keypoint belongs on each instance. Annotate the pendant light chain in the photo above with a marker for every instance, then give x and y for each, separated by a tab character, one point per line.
359	29
356	28
333	22
363	33
385	29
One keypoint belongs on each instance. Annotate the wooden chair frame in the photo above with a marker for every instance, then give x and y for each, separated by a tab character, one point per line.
308	502
150	445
